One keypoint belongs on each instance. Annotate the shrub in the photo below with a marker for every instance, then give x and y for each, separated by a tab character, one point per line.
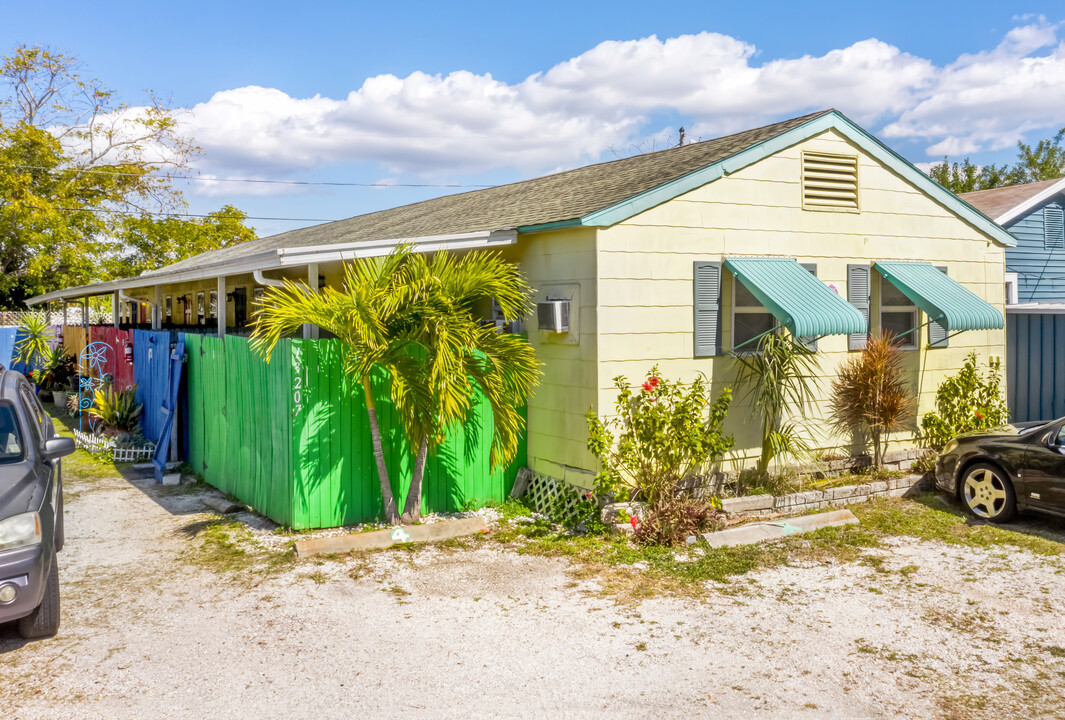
869	395
658	436
777	378
117	410
34	343
966	402
675	520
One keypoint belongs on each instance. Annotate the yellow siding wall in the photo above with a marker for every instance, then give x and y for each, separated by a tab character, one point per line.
645	272
557	263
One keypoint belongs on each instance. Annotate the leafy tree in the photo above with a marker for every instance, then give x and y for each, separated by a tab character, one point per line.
414	317
153	242
1045	161
75	165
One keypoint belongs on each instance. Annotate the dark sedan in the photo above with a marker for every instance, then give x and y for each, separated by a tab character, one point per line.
1002	471
31	509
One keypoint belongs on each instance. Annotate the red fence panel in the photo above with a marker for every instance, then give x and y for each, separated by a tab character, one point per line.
117	364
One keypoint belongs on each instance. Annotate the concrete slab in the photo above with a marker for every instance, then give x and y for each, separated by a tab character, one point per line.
390	536
172	479
222	505
760	532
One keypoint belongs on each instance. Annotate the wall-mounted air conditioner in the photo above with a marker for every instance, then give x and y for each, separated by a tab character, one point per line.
553	315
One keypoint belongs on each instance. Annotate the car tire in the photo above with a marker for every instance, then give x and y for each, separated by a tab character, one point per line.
988	494
44	620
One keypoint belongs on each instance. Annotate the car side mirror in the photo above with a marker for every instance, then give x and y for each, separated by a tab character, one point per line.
58	447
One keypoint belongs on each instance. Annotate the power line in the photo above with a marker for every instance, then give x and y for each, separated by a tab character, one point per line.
266	182
183	215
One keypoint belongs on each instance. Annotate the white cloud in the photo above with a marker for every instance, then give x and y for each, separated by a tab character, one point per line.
606	98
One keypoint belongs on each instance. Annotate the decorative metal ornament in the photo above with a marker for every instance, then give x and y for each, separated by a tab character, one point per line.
94	358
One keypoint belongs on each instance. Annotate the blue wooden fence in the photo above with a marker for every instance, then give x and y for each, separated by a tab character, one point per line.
1035	363
151	363
7	345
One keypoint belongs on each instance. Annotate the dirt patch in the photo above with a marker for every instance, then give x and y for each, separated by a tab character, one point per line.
164	618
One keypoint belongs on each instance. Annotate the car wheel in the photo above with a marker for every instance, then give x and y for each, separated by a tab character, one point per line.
988	493
44	620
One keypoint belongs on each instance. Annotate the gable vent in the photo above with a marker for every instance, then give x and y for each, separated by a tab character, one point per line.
829	181
1053	227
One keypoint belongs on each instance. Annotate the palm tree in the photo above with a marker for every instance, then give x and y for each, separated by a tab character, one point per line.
416	318
363	315
457	349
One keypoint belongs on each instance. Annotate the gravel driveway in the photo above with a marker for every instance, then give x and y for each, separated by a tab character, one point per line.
917	629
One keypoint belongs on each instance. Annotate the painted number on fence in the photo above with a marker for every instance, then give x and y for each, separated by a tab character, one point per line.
299	383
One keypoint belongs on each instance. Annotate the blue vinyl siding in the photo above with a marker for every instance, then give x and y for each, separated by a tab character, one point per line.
1040	272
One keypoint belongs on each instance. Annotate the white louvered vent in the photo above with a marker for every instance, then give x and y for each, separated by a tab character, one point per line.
829	181
1053	227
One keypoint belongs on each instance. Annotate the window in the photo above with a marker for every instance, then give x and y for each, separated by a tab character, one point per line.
1011	288
199	308
169	307
10	437
749	317
898	315
212	310
829	182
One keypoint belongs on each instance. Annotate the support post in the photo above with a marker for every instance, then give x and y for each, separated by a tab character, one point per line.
220	306
157	311
64	311
310	332
116	310
85	314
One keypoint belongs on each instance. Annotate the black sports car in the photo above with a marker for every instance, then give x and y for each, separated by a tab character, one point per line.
31	509
1001	471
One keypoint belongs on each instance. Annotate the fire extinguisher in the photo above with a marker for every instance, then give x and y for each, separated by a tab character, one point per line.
129	352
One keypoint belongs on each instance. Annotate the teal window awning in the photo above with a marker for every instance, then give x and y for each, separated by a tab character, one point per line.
798	300
942	299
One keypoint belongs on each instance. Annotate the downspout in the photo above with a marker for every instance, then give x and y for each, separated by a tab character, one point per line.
265	281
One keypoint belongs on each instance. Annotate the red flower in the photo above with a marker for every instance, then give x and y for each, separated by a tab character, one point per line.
651	384
980	416
634	521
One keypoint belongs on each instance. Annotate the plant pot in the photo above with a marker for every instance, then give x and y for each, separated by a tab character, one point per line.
59	400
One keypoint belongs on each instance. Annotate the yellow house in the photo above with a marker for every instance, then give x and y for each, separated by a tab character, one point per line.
673	259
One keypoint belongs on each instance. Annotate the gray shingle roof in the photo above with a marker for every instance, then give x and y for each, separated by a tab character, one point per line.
998	201
553	198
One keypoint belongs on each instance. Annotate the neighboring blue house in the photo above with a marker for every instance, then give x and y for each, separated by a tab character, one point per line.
1033	213
1035	294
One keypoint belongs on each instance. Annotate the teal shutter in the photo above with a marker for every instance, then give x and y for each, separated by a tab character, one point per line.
1053	227
809	343
707	286
937	334
858	296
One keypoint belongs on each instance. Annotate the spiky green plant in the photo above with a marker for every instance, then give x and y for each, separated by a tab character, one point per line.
870	395
34	345
778	380
116	409
414	317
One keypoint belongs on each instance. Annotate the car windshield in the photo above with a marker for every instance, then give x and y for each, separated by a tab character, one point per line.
10	437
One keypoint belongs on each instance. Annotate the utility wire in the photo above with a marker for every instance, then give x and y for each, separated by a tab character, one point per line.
262	181
216	216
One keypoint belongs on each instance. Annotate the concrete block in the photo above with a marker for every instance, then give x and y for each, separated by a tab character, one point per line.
222	505
794	499
880	486
760	532
618	513
172	479
844	492
391	536
747	504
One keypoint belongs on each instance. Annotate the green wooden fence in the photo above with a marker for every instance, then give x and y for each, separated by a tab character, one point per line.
291	437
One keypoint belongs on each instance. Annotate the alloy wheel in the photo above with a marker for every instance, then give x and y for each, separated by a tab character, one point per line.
985	492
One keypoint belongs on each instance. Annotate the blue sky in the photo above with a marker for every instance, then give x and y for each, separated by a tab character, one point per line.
482	93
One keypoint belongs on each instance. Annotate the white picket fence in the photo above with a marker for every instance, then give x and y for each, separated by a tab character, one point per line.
98	445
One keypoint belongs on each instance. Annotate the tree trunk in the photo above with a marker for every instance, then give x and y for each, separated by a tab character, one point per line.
391	513
876	449
412	509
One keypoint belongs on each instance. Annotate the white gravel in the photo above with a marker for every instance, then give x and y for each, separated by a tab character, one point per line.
958	633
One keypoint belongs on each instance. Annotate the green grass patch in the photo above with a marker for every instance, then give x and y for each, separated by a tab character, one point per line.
614	558
226	546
